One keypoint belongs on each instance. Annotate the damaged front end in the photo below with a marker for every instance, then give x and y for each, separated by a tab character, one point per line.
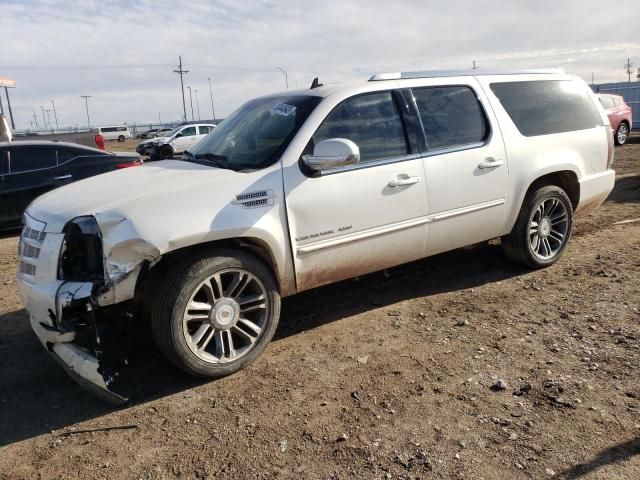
67	290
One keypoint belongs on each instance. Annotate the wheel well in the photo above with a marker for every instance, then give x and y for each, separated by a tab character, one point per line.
565	179
150	276
626	122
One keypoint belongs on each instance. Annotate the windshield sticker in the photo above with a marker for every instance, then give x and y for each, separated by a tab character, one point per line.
282	109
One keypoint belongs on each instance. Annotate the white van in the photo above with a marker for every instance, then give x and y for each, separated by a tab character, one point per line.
117	132
301	189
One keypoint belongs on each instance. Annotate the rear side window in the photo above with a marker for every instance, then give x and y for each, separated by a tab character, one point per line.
543	107
205	129
372	121
607	102
451	116
26	159
4	162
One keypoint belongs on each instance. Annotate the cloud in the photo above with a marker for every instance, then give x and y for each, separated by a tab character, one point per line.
123	52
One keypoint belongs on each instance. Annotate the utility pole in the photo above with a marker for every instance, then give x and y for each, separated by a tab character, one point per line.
44	120
86	104
48	117
213	112
35	118
475	67
286	77
628	66
197	104
181	72
54	113
191	102
592	78
6	92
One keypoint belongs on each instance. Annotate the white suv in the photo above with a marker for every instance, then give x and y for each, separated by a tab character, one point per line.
175	141
301	189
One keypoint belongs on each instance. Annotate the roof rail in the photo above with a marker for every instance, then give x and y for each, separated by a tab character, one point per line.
459	73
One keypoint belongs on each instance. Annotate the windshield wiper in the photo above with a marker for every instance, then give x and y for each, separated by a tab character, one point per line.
220	161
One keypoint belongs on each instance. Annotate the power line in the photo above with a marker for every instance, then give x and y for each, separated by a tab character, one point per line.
182	72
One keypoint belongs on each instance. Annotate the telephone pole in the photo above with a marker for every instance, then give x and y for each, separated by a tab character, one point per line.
48	117
628	66
197	103
286	77
181	72
44	120
475	67
211	94
55	115
86	104
35	118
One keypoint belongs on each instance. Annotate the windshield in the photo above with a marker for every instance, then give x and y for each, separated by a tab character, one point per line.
256	134
172	132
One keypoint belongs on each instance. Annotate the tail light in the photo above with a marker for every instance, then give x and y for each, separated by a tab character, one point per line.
99	141
135	163
611	148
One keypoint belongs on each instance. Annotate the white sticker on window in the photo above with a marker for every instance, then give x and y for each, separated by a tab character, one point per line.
282	109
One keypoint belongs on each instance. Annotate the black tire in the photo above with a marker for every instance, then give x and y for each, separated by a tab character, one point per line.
174	292
165	152
622	134
517	245
121	138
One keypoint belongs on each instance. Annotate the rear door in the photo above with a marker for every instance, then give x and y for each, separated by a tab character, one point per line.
467	175
31	173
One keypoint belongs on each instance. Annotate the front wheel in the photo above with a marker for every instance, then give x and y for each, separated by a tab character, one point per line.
542	230
622	133
215	313
165	152
121	138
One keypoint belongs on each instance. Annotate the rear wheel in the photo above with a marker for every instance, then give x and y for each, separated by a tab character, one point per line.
622	133
542	230
121	138
215	313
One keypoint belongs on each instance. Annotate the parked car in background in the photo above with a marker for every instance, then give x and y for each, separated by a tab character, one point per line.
30	168
118	132
298	190
160	133
175	141
620	116
147	133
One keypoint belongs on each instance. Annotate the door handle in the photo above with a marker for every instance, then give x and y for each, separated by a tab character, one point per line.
490	162
63	177
403	180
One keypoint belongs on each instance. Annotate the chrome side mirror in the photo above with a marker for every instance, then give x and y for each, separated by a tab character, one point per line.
332	153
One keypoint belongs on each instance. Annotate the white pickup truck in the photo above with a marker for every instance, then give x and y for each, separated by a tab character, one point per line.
305	188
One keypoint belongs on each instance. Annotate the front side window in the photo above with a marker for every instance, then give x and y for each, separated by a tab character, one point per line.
372	121
255	135
544	107
451	116
188	132
26	159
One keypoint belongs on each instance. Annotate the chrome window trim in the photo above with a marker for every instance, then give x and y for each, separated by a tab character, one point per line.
372	163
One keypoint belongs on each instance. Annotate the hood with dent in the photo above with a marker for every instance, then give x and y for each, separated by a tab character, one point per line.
160	188
154	140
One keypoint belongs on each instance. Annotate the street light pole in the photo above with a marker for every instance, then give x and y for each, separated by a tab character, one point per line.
191	102
86	104
35	118
286	77
44	120
213	112
54	113
197	103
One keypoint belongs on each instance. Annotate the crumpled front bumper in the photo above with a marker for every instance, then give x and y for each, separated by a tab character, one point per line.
45	299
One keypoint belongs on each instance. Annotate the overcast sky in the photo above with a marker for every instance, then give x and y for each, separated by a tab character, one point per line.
122	53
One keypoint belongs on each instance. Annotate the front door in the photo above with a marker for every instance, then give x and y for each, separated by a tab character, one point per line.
186	140
354	220
465	166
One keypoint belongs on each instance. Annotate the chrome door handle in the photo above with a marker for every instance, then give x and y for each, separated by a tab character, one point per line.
63	177
490	162
403	180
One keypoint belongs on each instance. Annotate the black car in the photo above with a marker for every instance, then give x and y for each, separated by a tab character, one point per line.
30	168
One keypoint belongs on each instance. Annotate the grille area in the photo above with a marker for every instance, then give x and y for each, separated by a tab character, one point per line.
260	198
30	244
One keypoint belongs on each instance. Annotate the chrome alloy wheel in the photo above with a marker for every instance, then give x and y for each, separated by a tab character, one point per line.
622	133
548	228
225	316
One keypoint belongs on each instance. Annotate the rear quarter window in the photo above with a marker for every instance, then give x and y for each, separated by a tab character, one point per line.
543	107
24	159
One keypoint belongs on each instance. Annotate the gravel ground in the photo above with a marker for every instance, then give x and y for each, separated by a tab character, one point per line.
457	366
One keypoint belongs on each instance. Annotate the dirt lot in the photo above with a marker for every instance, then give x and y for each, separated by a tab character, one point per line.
388	376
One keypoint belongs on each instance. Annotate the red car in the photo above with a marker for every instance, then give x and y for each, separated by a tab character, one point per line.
619	114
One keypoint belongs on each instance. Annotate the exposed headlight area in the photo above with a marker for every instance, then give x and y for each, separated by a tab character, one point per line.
81	258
